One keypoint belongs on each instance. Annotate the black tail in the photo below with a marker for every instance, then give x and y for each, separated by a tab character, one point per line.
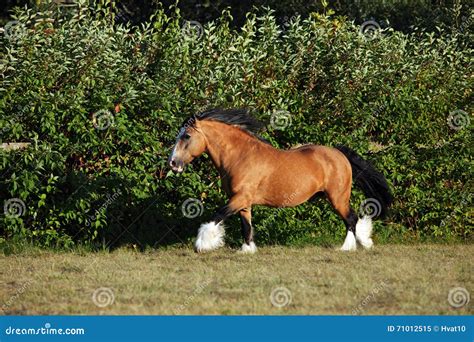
368	179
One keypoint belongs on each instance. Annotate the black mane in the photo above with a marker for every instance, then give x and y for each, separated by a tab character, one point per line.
234	117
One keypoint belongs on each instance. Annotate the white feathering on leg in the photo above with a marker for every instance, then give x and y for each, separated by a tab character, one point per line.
364	232
350	243
210	236
251	248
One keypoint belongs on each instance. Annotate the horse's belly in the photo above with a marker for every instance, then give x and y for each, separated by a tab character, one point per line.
289	191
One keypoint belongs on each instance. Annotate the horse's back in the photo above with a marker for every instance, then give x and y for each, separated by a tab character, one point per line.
326	153
329	164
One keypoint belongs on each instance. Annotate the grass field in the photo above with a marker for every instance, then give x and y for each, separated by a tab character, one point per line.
390	279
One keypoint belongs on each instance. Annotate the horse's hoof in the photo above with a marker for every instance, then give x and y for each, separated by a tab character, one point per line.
249	249
350	243
210	237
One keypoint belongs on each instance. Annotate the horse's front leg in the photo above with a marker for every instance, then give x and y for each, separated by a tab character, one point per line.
211	234
247	231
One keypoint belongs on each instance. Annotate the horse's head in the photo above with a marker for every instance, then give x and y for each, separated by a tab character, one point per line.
190	143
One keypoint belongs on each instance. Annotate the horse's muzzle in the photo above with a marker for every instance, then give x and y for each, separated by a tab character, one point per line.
176	166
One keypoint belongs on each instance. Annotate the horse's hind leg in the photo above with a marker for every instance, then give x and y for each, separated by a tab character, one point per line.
343	208
357	230
247	231
350	221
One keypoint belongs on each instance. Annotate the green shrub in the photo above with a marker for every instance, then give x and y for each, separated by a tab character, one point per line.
101	105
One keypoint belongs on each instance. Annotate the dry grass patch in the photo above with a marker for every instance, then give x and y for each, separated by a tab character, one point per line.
391	279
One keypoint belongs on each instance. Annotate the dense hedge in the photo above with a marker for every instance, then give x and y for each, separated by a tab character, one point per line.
402	15
101	105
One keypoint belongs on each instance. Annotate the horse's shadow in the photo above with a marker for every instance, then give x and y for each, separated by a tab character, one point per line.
127	218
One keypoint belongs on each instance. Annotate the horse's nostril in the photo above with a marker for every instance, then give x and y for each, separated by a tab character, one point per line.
172	162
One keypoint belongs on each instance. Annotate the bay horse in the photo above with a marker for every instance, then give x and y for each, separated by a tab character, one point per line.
253	172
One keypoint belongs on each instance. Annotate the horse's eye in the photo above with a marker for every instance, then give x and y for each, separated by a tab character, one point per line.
186	136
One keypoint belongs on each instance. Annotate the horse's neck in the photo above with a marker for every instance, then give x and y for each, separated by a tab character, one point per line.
227	145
